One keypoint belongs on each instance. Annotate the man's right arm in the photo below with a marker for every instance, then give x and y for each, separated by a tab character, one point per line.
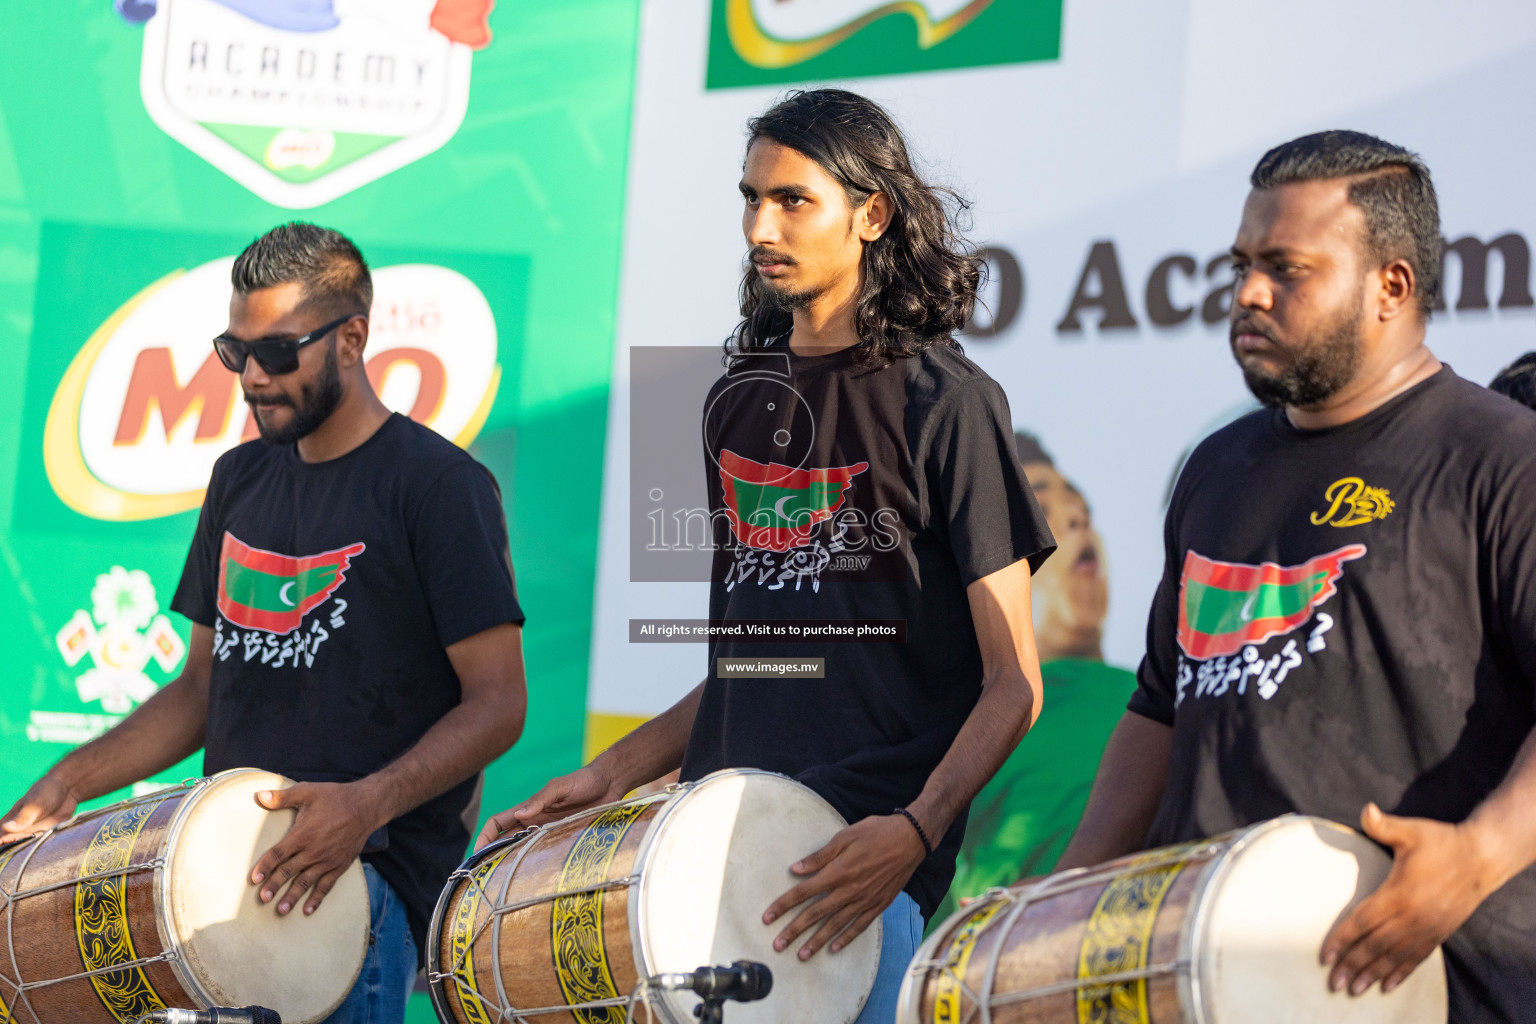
647	753
164	730
1126	793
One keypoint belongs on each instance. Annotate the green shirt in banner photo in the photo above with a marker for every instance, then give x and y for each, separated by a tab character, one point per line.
1022	820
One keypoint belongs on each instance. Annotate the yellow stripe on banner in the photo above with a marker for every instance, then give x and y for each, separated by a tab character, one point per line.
462	935
576	921
946	994
604	730
1119	938
101	916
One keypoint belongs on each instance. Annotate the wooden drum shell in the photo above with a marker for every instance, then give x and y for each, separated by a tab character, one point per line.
1217	931
1043	946
83	925
528	957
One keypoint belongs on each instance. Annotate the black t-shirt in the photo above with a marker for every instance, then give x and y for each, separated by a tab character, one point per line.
1349	615
847	492
333	589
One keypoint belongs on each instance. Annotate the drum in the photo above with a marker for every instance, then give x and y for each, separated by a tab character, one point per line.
146	904
561	924
1224	931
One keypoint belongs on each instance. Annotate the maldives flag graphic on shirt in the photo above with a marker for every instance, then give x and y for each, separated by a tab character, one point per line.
1224	606
265	590
776	508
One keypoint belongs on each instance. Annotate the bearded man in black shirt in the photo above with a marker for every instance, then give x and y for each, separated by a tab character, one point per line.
1346	624
354	621
859	468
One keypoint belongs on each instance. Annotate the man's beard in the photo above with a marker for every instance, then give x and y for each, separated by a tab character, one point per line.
317	402
788	301
1317	370
780	299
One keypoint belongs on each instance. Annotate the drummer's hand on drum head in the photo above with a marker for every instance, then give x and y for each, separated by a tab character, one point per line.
333	824
860	872
45	805
1433	887
560	798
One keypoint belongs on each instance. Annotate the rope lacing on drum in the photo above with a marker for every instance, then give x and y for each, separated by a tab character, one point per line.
8	897
1054	885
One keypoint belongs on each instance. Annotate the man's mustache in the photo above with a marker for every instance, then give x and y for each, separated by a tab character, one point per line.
273	399
762	254
1249	324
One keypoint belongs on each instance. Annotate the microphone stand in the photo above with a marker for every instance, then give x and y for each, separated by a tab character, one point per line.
711	1011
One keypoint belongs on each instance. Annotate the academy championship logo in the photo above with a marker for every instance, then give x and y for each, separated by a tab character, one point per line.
776	508
762	42
1225	606
302	101
272	592
146	408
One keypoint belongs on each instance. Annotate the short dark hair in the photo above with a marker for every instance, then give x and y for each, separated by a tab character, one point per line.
1028	447
1393	189
1518	381
331	269
920	276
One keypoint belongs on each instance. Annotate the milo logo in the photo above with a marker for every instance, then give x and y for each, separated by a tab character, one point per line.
761	42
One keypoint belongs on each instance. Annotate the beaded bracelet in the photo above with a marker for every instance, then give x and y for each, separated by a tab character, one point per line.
927	846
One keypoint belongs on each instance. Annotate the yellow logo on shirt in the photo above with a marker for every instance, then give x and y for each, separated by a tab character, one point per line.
1352	503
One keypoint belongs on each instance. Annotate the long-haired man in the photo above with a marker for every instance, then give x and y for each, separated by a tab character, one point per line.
860	468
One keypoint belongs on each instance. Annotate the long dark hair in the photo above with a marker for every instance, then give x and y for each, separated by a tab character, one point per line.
920	276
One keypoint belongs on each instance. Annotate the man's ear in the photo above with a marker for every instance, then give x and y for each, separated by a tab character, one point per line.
351	341
875	216
1399	290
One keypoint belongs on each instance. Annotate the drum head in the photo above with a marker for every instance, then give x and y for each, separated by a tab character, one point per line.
1274	901
721	856
237	949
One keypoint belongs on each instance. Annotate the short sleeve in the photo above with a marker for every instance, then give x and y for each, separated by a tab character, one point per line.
1510	546
459	540
196	594
1156	695
978	494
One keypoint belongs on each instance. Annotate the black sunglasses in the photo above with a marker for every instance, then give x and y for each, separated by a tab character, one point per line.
275	357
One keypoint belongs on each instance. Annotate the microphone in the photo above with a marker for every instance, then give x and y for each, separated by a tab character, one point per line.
744	981
213	1015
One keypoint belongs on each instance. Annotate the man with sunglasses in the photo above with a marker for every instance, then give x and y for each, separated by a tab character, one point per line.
354	621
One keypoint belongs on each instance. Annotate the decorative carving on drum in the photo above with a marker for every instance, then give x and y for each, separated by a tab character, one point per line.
146	904
1222	931
561	924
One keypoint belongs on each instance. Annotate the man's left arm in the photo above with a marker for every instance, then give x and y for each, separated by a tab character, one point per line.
867	864
335	819
1440	874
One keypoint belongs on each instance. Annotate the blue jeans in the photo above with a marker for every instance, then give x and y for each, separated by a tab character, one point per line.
389	971
902	923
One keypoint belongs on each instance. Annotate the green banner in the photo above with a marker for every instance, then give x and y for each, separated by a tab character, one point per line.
476	155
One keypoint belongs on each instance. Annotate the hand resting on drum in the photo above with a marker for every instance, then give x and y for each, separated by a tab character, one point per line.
851	881
1440	873
48	803
648	752
559	798
333	823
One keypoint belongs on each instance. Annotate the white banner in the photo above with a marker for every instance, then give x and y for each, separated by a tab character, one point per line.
1114	173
